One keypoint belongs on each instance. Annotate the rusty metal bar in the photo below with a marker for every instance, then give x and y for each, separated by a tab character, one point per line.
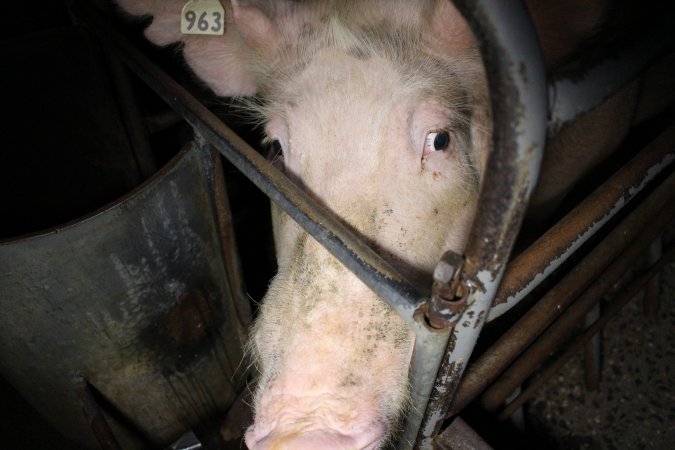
460	436
532	266
569	321
427	355
516	77
610	311
229	243
534	322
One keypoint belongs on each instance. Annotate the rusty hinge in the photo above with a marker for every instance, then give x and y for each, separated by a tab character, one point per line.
448	292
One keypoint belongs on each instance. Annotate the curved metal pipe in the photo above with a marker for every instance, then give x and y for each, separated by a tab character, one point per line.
516	77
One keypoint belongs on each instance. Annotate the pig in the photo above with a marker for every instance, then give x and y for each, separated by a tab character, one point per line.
379	110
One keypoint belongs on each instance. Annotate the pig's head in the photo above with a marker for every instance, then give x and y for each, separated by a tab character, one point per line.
378	110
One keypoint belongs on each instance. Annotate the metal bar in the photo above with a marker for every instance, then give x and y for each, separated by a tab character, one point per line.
516	77
534	322
569	321
573	96
652	289
427	354
592	351
229	243
610	311
460	436
536	263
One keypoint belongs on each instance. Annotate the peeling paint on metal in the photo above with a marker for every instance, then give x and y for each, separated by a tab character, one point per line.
652	172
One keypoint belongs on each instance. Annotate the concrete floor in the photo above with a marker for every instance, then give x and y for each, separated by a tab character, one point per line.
634	407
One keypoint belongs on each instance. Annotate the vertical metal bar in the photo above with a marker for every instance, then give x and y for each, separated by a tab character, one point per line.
516	77
229	243
592	351
652	288
427	355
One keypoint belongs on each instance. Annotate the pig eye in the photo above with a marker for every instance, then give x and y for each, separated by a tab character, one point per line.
437	141
277	154
276	148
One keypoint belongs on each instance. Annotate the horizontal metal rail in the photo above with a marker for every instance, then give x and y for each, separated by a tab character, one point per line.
643	226
551	250
512	343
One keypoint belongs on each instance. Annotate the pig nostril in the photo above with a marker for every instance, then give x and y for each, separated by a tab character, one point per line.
312	440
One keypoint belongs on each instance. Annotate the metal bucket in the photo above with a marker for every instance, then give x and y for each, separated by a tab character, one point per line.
136	300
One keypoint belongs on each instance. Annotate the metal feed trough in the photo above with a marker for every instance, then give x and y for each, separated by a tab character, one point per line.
525	108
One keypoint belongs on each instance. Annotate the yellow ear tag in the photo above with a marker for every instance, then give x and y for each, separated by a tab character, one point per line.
203	17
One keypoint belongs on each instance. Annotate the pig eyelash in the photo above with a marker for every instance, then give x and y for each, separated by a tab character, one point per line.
437	141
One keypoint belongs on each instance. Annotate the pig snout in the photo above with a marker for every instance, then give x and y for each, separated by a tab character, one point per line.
313	440
336	378
319	422
325	439
320	439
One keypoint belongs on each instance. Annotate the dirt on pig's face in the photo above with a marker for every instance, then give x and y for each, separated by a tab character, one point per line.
389	133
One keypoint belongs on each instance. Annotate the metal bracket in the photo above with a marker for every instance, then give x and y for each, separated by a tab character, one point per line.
448	292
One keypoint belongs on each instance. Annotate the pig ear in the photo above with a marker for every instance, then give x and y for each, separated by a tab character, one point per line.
252	32
222	62
254	21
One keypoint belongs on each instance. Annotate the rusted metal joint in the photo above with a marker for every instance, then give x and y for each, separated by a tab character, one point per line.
448	292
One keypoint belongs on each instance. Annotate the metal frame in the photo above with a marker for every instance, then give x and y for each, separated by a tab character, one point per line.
516	79
517	83
569	300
